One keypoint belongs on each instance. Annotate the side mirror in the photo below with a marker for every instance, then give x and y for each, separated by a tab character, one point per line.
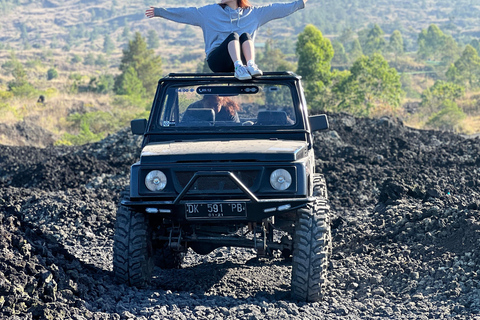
318	122
138	126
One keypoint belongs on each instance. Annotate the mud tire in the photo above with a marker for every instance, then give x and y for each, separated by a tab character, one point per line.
311	247
132	247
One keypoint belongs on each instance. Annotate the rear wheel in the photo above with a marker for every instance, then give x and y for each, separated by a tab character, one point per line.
132	247
311	248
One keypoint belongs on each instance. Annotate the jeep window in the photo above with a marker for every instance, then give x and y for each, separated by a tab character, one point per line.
227	105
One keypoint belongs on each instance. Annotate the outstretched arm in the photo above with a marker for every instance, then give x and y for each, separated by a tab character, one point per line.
278	10
186	15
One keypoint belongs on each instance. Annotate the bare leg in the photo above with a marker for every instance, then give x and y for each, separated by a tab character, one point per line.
248	50
234	50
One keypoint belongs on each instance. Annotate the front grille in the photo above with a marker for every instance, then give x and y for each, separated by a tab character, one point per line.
217	183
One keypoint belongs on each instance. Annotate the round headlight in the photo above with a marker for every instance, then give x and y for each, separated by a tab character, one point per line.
280	179
156	180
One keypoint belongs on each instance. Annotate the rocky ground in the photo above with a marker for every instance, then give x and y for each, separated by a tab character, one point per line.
406	231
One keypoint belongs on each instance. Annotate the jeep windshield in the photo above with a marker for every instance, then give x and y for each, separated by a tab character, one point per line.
229	105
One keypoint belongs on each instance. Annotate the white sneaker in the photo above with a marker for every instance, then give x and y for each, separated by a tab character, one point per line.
241	73
253	70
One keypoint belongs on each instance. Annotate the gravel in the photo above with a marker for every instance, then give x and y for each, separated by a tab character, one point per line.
406	228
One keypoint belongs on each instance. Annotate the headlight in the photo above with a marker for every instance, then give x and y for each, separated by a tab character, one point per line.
156	180
280	179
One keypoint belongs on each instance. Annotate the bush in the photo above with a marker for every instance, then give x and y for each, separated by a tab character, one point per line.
448	118
4	95
76	59
23	89
102	84
92	125
52	74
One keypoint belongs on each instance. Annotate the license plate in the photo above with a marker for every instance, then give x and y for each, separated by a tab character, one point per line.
216	210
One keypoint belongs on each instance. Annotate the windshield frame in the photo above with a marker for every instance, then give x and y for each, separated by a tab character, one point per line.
155	126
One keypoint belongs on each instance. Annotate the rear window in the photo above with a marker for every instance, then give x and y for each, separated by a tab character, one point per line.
227	105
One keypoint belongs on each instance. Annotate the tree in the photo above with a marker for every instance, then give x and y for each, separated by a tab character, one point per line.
108	45
436	95
19	86
372	87
375	43
430	42
356	51
314	56
346	38
475	43
448	118
89	59
152	39
126	30
340	56
466	70
433	44
396	43
273	59
147	66
130	85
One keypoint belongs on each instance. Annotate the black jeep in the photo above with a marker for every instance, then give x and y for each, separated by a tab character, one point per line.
226	163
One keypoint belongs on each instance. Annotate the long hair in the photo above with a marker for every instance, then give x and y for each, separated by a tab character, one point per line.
241	3
210	101
231	106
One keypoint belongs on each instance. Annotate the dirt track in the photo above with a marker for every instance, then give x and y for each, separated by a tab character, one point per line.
406	230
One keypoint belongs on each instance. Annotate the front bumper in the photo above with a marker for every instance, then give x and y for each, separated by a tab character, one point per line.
253	208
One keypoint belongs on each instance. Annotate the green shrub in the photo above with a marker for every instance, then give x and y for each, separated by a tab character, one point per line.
93	126
76	59
23	90
52	73
4	95
448	118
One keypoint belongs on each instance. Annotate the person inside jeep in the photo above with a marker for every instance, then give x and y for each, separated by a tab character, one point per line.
225	109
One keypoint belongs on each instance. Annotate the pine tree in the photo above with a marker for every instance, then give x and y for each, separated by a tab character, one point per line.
147	66
152	39
108	45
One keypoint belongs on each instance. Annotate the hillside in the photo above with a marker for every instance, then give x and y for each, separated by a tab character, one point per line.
83	42
81	25
405	235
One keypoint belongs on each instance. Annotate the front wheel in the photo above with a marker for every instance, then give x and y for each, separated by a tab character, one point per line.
132	248
312	241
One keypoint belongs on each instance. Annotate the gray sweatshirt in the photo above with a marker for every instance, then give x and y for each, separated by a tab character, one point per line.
217	23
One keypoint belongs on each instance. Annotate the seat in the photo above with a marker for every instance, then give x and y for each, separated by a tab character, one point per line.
272	118
198	115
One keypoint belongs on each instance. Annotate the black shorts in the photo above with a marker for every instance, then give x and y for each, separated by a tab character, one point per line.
219	59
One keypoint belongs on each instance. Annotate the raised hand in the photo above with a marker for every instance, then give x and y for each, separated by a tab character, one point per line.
149	13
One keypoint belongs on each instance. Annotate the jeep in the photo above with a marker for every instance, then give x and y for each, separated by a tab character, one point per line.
228	163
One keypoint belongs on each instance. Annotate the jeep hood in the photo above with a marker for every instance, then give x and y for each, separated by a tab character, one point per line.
236	150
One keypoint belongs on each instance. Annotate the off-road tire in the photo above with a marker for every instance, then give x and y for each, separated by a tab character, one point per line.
311	248
167	258
132	247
